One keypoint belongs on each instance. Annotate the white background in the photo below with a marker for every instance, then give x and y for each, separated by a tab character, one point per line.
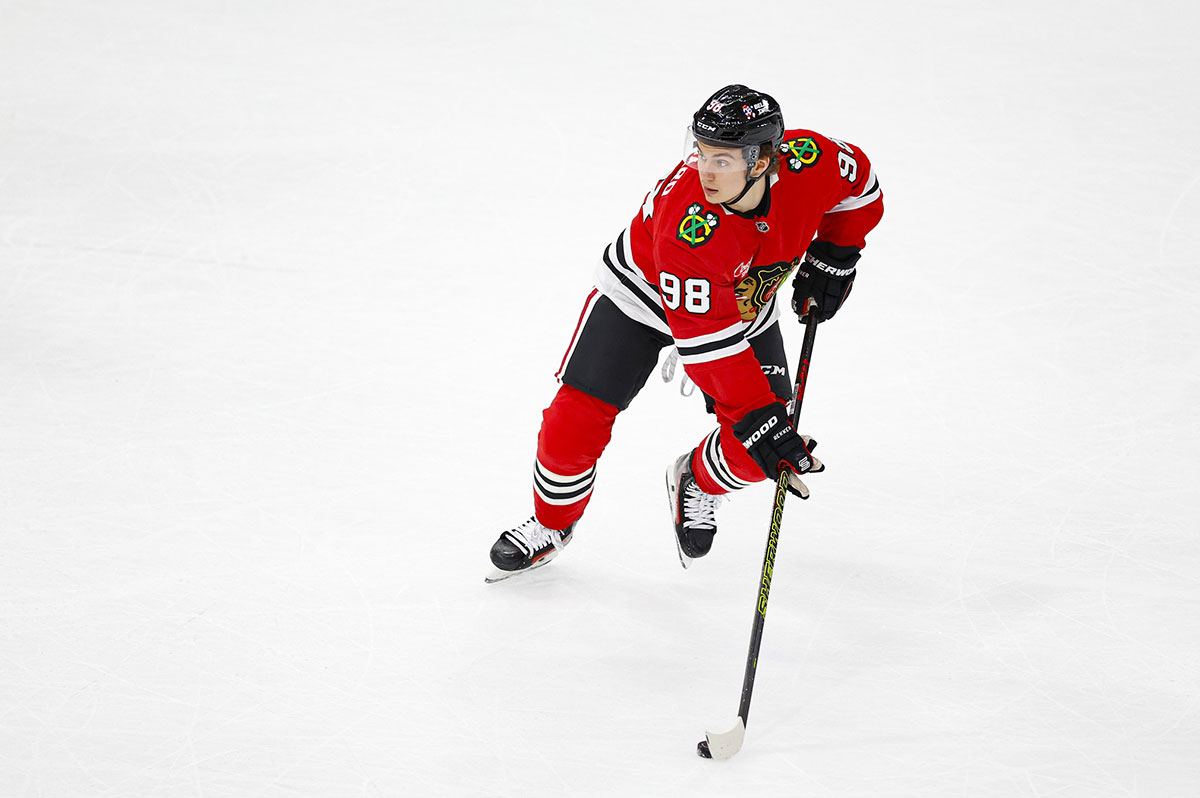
283	286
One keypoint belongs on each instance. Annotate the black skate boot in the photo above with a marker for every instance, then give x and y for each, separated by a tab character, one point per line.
529	546
693	511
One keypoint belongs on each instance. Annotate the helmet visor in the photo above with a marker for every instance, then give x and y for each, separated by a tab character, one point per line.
711	158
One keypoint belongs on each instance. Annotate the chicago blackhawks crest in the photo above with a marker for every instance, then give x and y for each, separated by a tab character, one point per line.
697	225
759	284
800	153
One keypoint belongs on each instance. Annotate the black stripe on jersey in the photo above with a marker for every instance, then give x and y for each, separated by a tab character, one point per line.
621	246
621	258
715	460
737	337
561	497
763	320
862	200
562	485
562	491
559	481
627	281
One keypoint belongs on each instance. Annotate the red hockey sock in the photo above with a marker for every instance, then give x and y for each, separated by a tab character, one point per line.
575	429
721	464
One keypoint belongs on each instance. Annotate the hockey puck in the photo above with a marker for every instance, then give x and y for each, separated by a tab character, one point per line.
702	749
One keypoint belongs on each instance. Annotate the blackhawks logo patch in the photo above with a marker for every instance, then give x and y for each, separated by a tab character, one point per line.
697	225
799	153
759	284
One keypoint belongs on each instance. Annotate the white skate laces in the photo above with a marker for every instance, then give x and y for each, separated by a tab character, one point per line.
532	536
700	508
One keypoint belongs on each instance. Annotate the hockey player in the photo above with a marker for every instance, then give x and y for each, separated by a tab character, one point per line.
699	268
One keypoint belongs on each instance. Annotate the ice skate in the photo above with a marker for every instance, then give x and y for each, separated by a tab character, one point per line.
692	510
529	546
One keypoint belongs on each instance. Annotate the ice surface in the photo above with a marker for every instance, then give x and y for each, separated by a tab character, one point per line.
282	290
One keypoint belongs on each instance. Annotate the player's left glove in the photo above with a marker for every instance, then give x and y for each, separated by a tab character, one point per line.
826	275
772	442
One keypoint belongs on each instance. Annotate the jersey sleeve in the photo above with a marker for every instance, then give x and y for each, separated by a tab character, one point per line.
856	200
703	315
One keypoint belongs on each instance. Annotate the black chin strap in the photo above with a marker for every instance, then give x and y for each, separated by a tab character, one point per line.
750	181
751	153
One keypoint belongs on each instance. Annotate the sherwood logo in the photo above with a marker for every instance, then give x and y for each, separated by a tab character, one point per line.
761	431
764	590
825	267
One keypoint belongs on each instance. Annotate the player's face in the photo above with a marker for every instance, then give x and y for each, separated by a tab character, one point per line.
722	172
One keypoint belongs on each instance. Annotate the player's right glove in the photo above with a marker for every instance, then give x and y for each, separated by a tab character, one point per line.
826	274
772	442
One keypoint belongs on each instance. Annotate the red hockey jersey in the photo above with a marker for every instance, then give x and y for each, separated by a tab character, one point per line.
708	276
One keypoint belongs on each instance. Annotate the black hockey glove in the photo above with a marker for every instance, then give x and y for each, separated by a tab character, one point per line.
826	275
771	440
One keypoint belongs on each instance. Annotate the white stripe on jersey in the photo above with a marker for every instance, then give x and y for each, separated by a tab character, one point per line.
626	257
637	301
626	301
560	489
564	501
765	318
623	283
734	348
713	458
871	192
619	257
556	477
709	338
713	346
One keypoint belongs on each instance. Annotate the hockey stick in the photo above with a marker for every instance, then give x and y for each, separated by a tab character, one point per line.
724	745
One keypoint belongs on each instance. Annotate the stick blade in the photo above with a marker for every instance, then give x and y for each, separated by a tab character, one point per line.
724	746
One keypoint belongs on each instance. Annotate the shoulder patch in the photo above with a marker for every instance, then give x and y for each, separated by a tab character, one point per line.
697	225
800	153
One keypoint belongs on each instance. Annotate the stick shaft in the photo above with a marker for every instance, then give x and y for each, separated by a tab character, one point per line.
764	587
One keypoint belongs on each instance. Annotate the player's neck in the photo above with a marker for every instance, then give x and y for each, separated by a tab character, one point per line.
751	199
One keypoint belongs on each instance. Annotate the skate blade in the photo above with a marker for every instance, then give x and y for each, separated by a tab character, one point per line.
497	575
684	560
